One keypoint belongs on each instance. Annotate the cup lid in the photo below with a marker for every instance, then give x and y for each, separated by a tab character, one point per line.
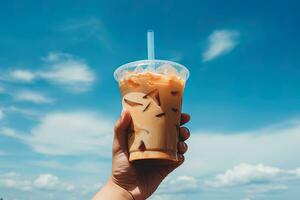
153	66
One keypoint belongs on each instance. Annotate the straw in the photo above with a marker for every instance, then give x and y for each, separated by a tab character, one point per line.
150	45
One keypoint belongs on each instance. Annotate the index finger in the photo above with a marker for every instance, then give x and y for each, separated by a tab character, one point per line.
184	118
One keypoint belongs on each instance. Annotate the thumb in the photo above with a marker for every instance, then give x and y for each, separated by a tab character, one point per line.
121	128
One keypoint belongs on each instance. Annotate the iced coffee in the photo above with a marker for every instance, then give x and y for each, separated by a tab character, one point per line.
152	93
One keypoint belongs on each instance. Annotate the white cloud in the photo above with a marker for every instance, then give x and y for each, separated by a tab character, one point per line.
83	166
90	188
220	42
9	175
265	188
18	75
22	75
250	179
14	181
180	184
68	72
62	69
23	111
2	115
214	152
56	56
31	96
161	197
244	174
69	133
17	181
8	132
46	181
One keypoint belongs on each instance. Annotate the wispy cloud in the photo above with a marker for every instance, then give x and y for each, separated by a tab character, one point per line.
177	188
23	111
19	111
92	24
1	114
265	188
175	56
47	185
31	96
68	72
61	69
250	179
90	167
229	149
18	76
244	174
219	43
22	75
81	29
14	180
9	132
180	184
51	182
72	133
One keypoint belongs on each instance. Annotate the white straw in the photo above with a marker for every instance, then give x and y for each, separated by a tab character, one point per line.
150	45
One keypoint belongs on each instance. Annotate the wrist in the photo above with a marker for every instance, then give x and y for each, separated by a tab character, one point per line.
113	191
121	191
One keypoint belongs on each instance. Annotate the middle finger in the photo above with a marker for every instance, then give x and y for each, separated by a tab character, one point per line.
184	133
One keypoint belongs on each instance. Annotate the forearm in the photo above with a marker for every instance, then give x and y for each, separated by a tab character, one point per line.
112	191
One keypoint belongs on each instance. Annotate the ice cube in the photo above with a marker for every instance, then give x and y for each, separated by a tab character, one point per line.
121	75
150	69
183	74
133	81
126	73
167	69
139	69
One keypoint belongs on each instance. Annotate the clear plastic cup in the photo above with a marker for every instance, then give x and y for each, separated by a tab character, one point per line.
152	92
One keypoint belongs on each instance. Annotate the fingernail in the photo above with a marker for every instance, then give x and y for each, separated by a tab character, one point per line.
180	157
187	132
185	145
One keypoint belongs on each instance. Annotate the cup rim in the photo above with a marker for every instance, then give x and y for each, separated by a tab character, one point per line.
122	67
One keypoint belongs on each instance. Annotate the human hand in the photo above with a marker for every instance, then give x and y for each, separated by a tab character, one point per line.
136	181
139	179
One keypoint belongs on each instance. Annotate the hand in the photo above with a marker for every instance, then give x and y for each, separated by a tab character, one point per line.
140	180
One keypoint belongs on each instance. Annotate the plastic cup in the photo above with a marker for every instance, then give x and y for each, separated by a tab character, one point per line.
152	92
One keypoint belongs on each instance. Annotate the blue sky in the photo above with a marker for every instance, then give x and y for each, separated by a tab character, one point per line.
58	98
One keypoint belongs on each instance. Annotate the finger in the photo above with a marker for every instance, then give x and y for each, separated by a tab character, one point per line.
184	118
120	137
181	159
184	133
182	147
